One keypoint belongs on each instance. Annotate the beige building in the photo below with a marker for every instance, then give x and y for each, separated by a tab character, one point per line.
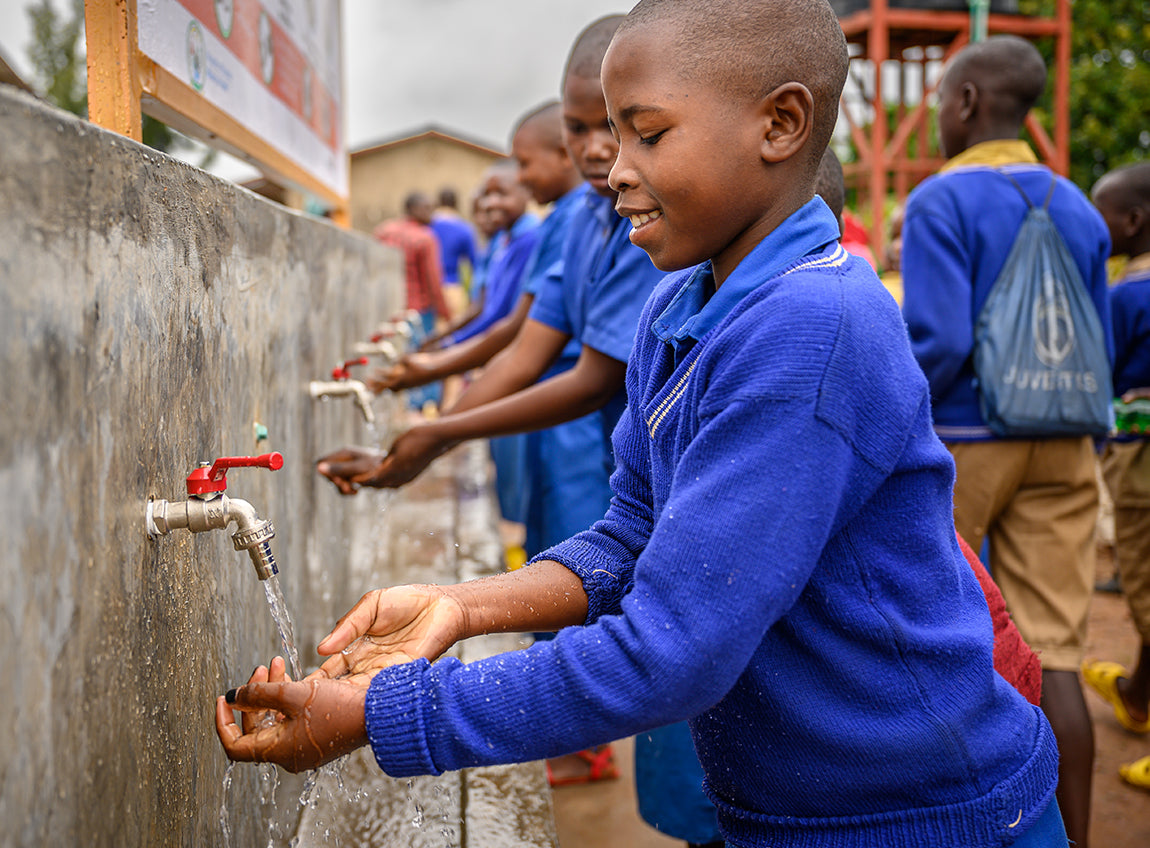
383	174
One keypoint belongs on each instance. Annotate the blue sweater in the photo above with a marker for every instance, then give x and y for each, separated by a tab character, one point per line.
958	229
1130	310
779	565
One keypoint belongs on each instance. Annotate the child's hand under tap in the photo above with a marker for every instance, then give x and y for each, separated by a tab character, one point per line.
407	457
298	726
391	626
345	464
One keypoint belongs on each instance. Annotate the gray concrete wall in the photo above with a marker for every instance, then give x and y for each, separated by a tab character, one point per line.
149	314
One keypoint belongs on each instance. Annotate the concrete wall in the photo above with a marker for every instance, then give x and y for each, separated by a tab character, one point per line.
149	314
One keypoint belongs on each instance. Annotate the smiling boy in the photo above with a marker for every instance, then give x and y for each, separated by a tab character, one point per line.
779	502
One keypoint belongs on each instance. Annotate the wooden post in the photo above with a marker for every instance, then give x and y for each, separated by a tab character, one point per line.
878	46
1062	88
114	88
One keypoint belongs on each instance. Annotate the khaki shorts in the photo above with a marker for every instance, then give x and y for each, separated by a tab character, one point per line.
1126	469
1037	503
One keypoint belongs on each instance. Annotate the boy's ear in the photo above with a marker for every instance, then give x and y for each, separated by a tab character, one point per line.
1137	221
788	113
968	101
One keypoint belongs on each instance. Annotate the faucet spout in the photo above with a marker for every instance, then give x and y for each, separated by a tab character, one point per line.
385	349
253	534
345	388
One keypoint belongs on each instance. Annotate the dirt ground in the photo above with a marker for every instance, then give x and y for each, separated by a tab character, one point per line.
603	815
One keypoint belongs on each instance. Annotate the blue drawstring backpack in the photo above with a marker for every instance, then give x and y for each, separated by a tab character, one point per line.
1039	347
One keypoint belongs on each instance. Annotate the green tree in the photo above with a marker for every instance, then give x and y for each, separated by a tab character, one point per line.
1109	84
57	63
59	66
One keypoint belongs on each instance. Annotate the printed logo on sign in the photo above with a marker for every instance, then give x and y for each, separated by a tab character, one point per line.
225	15
1052	326
267	57
197	56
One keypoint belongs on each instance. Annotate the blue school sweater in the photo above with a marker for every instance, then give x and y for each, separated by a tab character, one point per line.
779	564
959	227
1130	311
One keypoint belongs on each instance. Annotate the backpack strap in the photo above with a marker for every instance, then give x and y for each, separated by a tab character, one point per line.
1029	205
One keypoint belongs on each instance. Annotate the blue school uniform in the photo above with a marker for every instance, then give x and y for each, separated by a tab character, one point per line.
605	283
510	453
746	575
595	295
503	278
1130	313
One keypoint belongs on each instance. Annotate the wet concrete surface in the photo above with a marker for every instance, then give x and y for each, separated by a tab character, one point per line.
442	528
603	815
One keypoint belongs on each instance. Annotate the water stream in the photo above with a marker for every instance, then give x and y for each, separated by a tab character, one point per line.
284	624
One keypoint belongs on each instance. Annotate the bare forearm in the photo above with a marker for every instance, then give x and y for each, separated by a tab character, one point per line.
476	351
542	597
524	361
563	398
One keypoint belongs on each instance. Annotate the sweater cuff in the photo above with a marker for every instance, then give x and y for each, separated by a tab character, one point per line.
393	716
604	585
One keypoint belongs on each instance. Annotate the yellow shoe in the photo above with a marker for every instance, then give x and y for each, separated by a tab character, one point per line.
1137	773
1103	679
515	557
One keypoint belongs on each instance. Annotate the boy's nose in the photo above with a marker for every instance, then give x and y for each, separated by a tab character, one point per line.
602	147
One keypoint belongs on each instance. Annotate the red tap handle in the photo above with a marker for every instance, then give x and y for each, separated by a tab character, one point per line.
203	481
341	372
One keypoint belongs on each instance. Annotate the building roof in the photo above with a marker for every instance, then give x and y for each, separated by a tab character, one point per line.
430	131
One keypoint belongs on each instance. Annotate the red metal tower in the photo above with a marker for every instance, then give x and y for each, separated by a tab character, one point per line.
889	30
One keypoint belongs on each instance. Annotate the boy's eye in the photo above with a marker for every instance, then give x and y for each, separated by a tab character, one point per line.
651	138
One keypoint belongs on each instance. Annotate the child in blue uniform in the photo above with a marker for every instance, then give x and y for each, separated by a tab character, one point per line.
582	323
1123	198
780	501
1034	500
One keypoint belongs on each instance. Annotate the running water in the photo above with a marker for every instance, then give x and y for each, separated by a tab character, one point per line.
225	826
283	622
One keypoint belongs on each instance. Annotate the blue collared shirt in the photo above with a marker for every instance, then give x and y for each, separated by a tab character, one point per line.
699	306
605	283
504	276
552	236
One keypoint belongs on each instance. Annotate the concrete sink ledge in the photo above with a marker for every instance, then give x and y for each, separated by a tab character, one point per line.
442	528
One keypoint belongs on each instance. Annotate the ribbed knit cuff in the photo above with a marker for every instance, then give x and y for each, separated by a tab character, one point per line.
393	713
604	588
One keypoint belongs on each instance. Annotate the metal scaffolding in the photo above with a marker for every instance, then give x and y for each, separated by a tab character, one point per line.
913	38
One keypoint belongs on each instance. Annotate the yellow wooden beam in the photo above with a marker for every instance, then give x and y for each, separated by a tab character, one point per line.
113	79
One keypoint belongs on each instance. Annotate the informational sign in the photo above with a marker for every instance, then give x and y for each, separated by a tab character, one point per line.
272	66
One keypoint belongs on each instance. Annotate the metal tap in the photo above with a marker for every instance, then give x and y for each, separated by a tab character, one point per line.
400	325
377	347
341	385
208	508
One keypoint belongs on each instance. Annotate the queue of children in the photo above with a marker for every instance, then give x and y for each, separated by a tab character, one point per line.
560	381
779	500
1123	198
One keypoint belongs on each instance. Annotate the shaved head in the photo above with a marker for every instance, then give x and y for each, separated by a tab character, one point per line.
545	123
1008	72
748	48
1125	188
587	53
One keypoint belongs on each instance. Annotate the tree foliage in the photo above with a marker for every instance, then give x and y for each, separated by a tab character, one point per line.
1109	84
59	65
56	57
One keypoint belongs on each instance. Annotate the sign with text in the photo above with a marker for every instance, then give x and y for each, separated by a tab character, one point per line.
273	66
